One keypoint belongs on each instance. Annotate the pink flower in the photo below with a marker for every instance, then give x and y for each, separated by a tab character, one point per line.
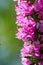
23	8
22	21
25	61
25	21
25	51
36	52
25	33
30	50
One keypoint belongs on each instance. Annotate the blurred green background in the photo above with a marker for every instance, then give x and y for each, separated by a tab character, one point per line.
9	48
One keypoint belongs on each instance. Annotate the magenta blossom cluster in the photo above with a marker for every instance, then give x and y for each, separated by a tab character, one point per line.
29	19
